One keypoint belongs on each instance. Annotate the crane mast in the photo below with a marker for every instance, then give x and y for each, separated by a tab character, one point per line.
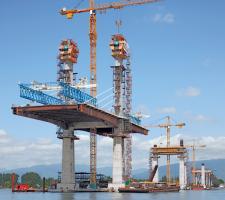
168	144
168	126
194	147
93	90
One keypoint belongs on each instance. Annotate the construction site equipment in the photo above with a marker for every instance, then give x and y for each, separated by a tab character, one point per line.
111	5
168	126
119	47
93	42
68	51
122	82
38	96
67	91
76	94
30	92
202	178
68	54
194	147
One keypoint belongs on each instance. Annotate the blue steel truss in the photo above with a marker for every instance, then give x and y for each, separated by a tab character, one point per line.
38	96
135	120
77	95
67	91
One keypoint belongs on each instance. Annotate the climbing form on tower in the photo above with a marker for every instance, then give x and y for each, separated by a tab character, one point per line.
119	47
68	54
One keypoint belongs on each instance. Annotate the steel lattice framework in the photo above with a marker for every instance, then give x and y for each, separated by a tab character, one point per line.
128	108
78	96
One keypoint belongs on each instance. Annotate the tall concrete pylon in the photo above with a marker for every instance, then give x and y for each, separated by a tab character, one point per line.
119	49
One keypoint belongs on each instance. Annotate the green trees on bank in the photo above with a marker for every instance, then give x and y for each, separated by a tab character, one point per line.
33	179
6	180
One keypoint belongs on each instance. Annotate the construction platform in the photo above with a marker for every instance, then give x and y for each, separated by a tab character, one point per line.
81	117
172	150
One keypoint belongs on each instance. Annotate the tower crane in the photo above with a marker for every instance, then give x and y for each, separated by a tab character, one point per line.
194	147
167	126
93	41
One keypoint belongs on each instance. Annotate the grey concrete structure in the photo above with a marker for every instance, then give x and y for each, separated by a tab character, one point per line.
84	117
68	170
203	175
182	173
155	160
117	171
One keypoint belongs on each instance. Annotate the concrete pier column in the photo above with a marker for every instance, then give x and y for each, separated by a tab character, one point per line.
117	171
196	179
68	176
155	161
185	175
182	173
203	176
210	180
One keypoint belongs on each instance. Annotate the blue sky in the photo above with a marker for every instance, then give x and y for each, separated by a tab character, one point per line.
178	62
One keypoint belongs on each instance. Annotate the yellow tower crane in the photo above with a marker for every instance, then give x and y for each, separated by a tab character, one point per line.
167	126
93	41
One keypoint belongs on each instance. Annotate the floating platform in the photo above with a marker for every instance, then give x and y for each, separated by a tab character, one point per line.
60	191
149	190
133	190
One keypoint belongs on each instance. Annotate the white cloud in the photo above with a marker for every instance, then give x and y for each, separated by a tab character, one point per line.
167	18
201	118
16	153
198	117
189	92
3	137
167	110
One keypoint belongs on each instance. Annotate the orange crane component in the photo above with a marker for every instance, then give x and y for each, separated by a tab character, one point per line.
168	126
112	5
93	91
93	40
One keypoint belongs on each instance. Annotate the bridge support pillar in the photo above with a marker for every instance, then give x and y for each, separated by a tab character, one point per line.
182	173
203	176
117	171
155	159
68	176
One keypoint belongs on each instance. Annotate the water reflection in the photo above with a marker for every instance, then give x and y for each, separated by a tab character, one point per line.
67	196
182	195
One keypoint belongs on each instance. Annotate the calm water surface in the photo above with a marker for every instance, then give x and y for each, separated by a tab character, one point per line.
183	195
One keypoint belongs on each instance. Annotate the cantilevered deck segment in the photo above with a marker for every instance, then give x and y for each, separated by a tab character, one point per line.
80	116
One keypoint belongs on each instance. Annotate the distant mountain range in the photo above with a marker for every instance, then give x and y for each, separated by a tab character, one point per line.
218	166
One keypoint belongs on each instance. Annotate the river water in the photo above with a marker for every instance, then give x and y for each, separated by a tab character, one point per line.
182	195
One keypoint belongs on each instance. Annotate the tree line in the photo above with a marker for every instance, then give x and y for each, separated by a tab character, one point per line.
33	179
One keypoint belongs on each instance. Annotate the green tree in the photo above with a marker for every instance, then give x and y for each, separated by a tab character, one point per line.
32	179
49	182
6	180
216	181
163	179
